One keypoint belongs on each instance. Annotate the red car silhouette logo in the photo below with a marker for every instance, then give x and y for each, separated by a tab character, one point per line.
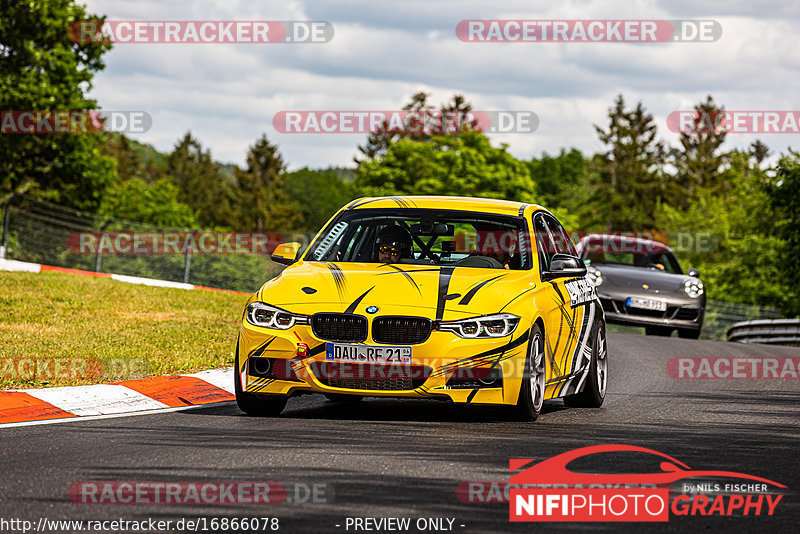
554	470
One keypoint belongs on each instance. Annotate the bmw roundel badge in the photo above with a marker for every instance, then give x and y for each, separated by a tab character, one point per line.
372	309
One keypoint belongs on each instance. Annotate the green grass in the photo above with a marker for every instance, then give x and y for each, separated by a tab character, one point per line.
58	330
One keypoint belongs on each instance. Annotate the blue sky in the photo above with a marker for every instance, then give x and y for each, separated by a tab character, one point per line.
383	52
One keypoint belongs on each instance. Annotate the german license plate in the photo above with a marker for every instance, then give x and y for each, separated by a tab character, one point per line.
342	352
647	304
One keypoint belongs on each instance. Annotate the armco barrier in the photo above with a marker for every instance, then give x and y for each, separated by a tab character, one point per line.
771	331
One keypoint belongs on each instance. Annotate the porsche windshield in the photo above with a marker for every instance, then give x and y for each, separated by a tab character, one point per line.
663	261
425	237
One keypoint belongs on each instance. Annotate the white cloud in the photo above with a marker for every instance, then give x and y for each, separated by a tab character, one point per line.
383	52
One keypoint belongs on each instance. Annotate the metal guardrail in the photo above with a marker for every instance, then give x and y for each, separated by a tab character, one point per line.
771	331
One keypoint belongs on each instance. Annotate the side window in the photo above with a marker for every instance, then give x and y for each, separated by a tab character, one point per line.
561	237
544	242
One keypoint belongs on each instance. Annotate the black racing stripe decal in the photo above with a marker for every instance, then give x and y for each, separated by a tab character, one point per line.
338	278
514	343
258	351
436	270
262	386
316	350
471	293
515	298
405	274
588	312
472	394
558	292
522	209
444	282
400	202
367	201
352	307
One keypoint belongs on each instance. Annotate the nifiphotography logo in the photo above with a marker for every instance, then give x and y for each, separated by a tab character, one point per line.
549	491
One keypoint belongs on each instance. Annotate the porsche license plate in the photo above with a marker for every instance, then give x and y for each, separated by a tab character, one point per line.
647	304
341	352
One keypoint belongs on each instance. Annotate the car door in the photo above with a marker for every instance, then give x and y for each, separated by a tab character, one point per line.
577	307
550	300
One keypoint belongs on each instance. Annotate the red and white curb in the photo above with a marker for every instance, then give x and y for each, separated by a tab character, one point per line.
23	266
162	393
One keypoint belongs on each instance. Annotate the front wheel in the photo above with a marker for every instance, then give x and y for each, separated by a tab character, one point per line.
531	394
594	391
256	405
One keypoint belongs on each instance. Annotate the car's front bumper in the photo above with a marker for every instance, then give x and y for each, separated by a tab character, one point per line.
679	314
445	366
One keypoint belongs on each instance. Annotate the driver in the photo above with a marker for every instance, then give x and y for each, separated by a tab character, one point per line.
393	243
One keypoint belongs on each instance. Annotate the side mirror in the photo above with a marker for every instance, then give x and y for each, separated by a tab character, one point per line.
693	272
564	266
285	253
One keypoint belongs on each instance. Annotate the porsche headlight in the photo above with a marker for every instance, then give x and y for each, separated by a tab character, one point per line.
260	314
693	287
499	325
594	277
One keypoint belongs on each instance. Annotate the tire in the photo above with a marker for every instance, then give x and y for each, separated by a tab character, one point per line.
531	393
689	333
340	397
255	405
658	331
594	391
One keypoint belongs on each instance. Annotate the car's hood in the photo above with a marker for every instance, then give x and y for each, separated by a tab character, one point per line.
425	290
625	277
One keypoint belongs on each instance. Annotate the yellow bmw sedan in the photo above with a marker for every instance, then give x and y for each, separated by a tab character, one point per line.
470	300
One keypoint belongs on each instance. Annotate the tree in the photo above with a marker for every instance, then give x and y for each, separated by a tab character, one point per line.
784	199
201	184
630	169
422	129
318	194
150	203
261	196
41	69
133	159
698	161
463	164
745	262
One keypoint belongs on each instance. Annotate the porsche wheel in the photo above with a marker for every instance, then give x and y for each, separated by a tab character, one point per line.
256	405
594	391
531	394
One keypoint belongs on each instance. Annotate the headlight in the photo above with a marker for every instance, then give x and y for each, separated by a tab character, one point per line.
260	314
693	287
594	276
500	325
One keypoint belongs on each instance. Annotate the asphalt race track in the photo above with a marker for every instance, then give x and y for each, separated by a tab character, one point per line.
396	458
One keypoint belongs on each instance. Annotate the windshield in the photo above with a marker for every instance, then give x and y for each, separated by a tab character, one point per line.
424	237
663	261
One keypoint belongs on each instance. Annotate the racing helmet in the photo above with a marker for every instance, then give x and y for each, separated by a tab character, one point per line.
395	237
